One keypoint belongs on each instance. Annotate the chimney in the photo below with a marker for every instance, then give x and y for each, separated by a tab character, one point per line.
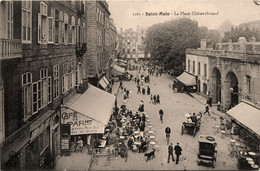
203	44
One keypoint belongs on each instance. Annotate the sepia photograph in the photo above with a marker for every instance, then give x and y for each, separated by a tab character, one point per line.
129	85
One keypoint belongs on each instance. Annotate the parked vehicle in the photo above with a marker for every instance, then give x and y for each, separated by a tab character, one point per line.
207	150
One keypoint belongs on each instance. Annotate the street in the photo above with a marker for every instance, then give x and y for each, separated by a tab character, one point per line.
175	105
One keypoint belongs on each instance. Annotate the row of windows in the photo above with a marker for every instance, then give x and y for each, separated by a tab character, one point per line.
51	29
37	95
193	68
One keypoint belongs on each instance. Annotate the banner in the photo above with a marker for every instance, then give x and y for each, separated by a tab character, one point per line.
79	123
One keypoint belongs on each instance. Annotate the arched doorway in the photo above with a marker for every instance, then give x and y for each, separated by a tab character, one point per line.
205	89
216	85
231	90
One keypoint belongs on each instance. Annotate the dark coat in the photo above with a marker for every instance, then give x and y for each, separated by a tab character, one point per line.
170	149
178	150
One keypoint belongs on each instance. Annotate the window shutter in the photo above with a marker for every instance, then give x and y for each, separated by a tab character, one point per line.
53	30
47	29
39	28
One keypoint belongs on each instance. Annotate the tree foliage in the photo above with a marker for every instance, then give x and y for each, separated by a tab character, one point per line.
167	42
234	34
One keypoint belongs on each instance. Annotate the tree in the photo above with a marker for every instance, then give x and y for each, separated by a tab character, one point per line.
168	41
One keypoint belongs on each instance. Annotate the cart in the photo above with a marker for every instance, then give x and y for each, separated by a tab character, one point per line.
190	127
207	150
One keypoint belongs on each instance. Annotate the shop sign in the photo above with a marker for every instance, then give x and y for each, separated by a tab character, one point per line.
14	143
39	129
79	123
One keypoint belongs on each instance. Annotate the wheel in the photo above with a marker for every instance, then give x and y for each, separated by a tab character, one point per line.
210	138
182	130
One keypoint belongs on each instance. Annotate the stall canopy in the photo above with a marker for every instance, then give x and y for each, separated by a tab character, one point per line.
248	115
117	70
89	112
104	82
187	79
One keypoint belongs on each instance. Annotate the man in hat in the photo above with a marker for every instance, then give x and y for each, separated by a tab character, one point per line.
170	153
178	151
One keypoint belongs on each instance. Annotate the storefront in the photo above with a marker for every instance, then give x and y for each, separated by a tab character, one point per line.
186	82
246	118
104	84
118	72
38	152
87	114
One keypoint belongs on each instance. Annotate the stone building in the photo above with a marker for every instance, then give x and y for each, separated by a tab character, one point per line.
141	33
129	44
251	25
232	71
98	38
41	49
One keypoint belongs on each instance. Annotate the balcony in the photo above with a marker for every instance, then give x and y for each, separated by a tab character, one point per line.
10	48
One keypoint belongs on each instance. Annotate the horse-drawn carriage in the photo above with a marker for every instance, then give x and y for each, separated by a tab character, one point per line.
192	125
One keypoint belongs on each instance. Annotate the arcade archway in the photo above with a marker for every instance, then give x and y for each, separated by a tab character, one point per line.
216	85
231	90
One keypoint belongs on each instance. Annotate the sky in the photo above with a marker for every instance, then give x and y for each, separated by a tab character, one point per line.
236	11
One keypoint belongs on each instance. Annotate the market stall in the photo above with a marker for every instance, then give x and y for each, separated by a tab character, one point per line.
185	82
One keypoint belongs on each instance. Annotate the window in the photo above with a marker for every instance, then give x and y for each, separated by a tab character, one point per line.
43	27
43	73
26	21
205	70
70	34
56	81
57	26
193	67
27	95
9	19
46	86
188	65
50	29
248	84
199	68
65	78
37	97
73	63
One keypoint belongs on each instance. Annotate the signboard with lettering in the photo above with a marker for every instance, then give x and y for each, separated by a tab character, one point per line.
79	123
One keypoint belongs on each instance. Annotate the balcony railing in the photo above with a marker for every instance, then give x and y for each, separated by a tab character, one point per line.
10	48
235	54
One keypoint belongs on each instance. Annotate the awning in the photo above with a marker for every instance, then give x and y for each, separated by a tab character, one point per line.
104	82
248	115
88	113
187	79
117	70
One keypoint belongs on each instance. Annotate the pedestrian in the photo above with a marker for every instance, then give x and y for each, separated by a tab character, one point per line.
121	85
178	151
207	109
127	93
142	127
218	106
135	79
130	91
143	91
167	132
158	99
161	115
151	98
138	89
143	118
170	153
148	90
154	99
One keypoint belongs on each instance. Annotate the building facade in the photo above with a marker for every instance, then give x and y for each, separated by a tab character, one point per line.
129	44
233	71
42	45
98	38
141	34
